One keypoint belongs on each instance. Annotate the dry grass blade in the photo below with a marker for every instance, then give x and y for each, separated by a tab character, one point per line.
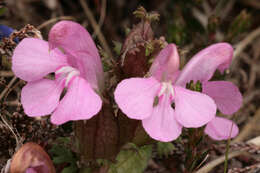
208	167
53	20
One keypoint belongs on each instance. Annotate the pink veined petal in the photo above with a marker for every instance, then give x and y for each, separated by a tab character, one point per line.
193	109
72	37
203	65
221	128
166	63
90	69
32	59
135	96
225	94
161	125
40	97
79	103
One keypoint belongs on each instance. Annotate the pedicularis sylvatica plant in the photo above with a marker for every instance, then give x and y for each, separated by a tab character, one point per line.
143	97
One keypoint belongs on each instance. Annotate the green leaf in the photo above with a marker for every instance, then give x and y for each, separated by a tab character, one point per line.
85	170
2	11
58	150
132	160
62	155
63	159
164	148
65	140
71	169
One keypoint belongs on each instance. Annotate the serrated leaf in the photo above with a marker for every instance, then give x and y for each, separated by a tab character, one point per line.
164	148
132	160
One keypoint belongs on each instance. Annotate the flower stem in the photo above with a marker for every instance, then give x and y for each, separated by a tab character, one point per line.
227	151
226	157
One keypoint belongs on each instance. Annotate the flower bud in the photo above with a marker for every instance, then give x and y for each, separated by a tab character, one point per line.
31	158
134	61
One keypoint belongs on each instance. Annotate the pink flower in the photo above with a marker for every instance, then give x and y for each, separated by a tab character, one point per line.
73	57
149	99
225	94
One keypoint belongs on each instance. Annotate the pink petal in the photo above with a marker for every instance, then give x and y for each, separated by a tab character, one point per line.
80	48
38	169
225	94
166	63
135	96
72	37
79	103
161	125
203	65
40	97
90	69
221	129
193	109
32	59
30	170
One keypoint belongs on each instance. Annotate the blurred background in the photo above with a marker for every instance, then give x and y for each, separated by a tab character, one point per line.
191	24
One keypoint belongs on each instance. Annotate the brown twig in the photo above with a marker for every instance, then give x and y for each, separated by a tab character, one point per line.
243	44
6	73
246	169
8	87
227	8
96	27
15	103
18	141
53	20
252	3
102	16
201	17
250	96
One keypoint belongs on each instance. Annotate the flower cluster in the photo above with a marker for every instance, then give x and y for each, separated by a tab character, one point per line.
162	101
150	99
